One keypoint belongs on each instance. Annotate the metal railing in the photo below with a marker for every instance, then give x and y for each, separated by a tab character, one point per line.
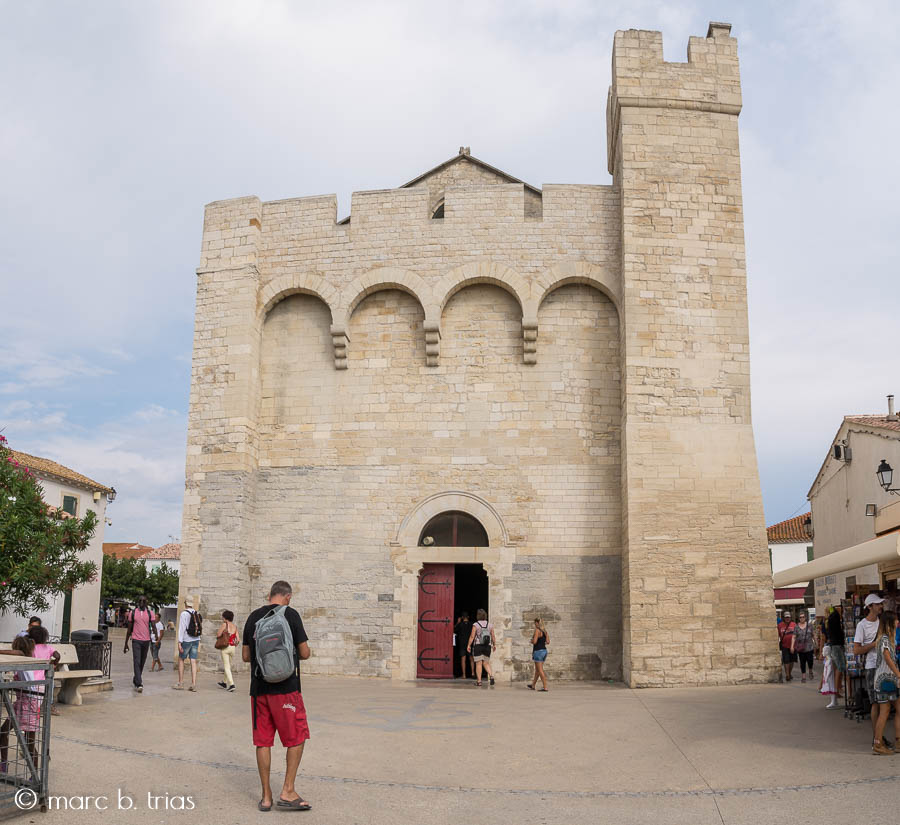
24	733
93	656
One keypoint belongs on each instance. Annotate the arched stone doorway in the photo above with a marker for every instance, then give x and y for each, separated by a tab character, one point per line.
430	557
449	596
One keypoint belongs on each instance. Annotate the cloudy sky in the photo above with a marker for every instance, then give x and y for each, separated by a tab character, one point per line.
121	120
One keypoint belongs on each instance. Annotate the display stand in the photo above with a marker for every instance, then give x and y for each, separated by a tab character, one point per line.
856	699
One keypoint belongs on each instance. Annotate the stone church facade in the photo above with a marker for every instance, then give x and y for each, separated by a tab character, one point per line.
564	370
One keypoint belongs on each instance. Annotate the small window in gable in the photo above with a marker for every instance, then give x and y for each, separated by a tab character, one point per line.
70	505
438	211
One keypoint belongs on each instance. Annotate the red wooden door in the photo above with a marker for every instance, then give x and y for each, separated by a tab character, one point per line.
434	658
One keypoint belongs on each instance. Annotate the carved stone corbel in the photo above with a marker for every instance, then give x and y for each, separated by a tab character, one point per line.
340	340
432	343
529	335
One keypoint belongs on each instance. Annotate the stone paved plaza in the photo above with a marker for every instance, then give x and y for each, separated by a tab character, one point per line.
388	752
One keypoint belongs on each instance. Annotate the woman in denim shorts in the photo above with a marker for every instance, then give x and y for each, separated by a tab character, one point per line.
539	653
886	682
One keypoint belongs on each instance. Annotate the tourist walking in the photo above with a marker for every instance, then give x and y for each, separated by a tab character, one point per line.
461	633
864	645
226	641
837	651
190	629
786	640
803	643
139	632
539	640
156	645
275	699
886	682
481	642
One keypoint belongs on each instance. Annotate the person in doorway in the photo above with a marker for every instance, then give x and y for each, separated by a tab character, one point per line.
141	628
837	652
190	629
44	650
226	642
803	644
156	646
864	645
539	640
887	683
277	706
786	639
461	634
481	643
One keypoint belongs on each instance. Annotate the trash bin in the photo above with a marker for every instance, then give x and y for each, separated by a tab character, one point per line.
86	636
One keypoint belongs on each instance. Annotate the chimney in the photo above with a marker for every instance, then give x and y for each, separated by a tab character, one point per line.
890	406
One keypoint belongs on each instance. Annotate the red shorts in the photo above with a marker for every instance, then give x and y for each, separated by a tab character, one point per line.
283	712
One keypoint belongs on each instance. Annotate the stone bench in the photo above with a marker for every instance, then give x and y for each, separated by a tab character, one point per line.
69	682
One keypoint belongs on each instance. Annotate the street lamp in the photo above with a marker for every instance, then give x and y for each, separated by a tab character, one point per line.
807	527
885	475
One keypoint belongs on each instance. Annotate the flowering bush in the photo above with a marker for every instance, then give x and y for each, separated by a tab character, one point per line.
40	546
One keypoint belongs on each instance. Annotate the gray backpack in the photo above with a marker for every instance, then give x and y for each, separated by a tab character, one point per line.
275	646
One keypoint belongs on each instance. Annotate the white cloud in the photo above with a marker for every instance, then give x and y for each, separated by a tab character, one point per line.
141	454
171	105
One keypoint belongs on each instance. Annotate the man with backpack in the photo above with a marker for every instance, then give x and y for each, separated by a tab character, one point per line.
274	643
141	632
190	629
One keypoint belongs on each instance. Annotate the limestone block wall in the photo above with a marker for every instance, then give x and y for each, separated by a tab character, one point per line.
697	592
345	455
572	365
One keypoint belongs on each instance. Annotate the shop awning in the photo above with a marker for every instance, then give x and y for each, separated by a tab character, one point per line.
792	594
884	548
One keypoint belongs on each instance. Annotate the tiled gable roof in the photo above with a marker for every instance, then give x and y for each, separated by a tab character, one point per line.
166	551
44	466
126	549
790	531
884	422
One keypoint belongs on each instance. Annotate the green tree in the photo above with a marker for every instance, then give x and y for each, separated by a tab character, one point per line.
127	580
162	586
122	579
40	547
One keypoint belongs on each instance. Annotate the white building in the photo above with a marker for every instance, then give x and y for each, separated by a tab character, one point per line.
846	497
75	494
168	554
790	544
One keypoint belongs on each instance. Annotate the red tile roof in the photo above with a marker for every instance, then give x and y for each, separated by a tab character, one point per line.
166	551
885	422
44	466
790	531
126	549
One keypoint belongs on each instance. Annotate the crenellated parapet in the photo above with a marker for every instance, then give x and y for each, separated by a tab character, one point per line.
710	80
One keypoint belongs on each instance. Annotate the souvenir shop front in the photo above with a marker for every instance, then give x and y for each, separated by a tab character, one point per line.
883	551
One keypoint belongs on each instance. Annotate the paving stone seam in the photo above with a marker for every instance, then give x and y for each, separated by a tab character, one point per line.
413	786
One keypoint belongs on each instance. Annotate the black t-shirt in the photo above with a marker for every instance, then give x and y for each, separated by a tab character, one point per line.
835	629
463	631
258	685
